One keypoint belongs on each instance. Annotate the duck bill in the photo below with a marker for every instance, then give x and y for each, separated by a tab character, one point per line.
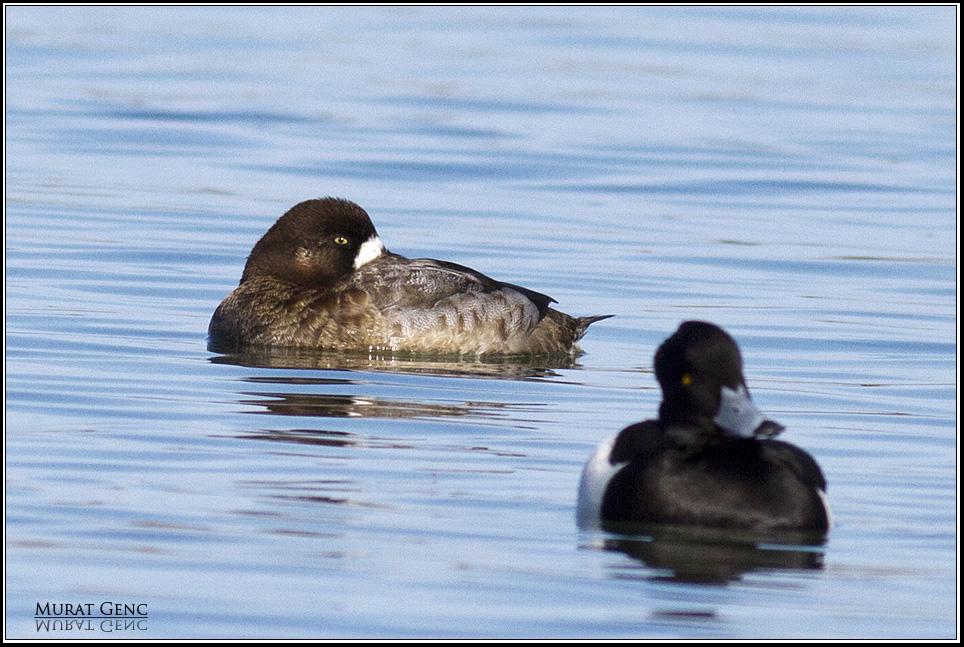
738	416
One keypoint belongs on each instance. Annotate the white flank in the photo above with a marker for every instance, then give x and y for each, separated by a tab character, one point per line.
369	251
826	507
592	486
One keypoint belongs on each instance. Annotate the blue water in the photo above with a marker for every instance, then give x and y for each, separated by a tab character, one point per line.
786	172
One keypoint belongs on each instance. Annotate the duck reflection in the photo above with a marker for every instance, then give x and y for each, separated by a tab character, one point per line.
710	556
325	491
316	402
325	405
322	437
518	367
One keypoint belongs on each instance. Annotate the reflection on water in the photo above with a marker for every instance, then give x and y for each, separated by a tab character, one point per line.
711	556
322	405
324	437
485	366
325	491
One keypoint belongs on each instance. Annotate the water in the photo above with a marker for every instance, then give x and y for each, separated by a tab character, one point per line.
786	172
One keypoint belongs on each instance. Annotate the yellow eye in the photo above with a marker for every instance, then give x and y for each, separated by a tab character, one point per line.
341	240
687	379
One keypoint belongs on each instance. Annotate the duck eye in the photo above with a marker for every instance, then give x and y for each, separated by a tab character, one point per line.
687	379
341	240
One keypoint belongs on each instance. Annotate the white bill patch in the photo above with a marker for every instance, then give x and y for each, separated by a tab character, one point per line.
369	251
738	415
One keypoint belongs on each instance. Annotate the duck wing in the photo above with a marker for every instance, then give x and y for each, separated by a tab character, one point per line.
394	280
426	304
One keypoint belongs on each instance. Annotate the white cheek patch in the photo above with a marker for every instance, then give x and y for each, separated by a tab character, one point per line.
369	251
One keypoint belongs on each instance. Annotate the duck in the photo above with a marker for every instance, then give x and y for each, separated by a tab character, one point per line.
710	460
321	277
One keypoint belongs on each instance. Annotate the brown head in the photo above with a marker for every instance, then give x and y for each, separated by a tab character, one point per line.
315	243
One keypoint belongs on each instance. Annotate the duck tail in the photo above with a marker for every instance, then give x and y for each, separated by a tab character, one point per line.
584	322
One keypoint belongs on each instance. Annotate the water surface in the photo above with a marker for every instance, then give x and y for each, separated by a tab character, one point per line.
785	172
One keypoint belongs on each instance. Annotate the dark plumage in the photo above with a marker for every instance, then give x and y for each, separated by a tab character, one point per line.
320	277
708	460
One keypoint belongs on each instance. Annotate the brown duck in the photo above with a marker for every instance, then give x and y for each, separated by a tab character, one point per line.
321	277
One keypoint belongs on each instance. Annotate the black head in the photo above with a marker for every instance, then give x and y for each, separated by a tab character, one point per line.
315	243
700	371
